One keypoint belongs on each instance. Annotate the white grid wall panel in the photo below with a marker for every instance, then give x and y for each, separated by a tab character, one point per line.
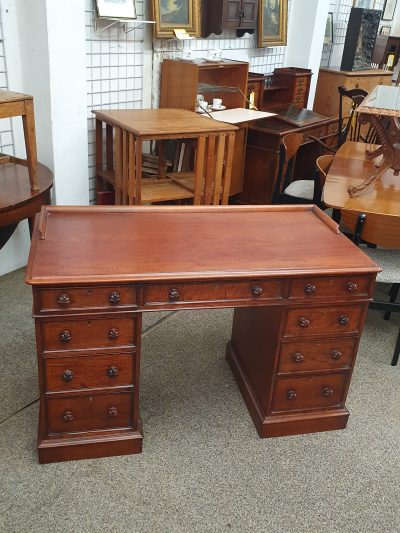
114	65
6	132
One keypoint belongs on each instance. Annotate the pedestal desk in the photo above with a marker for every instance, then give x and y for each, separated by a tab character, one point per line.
300	290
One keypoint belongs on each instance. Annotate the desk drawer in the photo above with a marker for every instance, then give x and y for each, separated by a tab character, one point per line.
88	333
87	413
338	287
88	372
312	392
305	356
323	320
183	293
70	299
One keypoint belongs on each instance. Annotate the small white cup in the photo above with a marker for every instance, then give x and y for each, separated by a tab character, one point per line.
199	98
203	104
217	103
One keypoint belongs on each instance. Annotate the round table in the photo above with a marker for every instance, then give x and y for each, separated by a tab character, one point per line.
17	201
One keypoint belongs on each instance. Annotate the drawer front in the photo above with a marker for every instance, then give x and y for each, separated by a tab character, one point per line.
323	320
87	413
181	293
313	392
69	299
88	333
87	372
341	287
305	356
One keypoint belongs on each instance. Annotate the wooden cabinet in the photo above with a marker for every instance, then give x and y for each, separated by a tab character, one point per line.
181	81
288	85
327	96
219	15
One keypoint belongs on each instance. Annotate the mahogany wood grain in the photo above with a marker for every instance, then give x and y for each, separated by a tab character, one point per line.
337	287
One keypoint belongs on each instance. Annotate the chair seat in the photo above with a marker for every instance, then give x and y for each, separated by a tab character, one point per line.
301	189
388	260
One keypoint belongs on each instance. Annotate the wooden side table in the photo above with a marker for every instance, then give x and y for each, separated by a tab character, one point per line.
18	104
126	130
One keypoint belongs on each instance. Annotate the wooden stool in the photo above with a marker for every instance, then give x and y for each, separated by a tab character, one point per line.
12	105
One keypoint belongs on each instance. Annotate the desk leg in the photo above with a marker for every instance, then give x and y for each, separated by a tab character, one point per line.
28	121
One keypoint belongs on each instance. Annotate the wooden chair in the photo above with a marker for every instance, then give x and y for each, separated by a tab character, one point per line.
288	190
349	128
384	231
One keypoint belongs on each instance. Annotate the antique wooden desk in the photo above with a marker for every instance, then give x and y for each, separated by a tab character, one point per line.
213	161
300	291
350	168
264	140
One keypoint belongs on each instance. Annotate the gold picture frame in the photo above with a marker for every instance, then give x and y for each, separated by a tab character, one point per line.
173	15
272	23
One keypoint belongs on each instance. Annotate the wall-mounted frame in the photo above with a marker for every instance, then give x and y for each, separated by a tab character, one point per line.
389	9
328	37
272	23
116	9
385	30
171	15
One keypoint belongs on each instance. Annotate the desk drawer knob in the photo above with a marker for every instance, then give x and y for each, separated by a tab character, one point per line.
298	357
174	294
327	392
64	299
343	320
114	298
304	322
351	287
65	336
68	376
336	354
112	371
68	416
310	288
291	395
257	290
113	333
112	411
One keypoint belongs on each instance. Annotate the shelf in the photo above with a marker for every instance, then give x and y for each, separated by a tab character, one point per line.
208	88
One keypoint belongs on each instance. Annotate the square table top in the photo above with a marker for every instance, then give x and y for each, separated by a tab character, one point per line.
103	244
383	100
150	123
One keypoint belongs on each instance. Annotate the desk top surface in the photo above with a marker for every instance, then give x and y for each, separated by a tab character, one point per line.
132	244
153	122
11	96
350	167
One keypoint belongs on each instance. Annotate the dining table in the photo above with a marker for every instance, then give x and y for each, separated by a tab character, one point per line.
350	167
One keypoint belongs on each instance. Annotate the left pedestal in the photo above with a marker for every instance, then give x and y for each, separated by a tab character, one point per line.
88	343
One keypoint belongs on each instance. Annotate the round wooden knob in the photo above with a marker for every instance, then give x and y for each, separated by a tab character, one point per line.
304	322
112	371
256	290
343	320
68	376
113	333
310	288
65	336
114	297
327	392
68	416
336	354
112	411
64	299
173	294
351	286
291	395
298	357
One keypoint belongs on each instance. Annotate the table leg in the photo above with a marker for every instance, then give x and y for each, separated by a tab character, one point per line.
99	155
199	170
118	166
28	121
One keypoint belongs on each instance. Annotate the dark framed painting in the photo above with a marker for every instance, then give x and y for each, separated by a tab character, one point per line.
116	9
272	23
389	9
385	30
173	15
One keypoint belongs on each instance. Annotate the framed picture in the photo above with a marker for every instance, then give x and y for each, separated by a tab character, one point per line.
389	9
272	23
385	30
328	37
172	15
116	9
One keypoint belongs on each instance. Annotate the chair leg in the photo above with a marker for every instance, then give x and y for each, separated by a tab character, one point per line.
394	291
396	351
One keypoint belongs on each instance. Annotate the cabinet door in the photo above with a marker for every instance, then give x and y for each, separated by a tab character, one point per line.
231	14
249	14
